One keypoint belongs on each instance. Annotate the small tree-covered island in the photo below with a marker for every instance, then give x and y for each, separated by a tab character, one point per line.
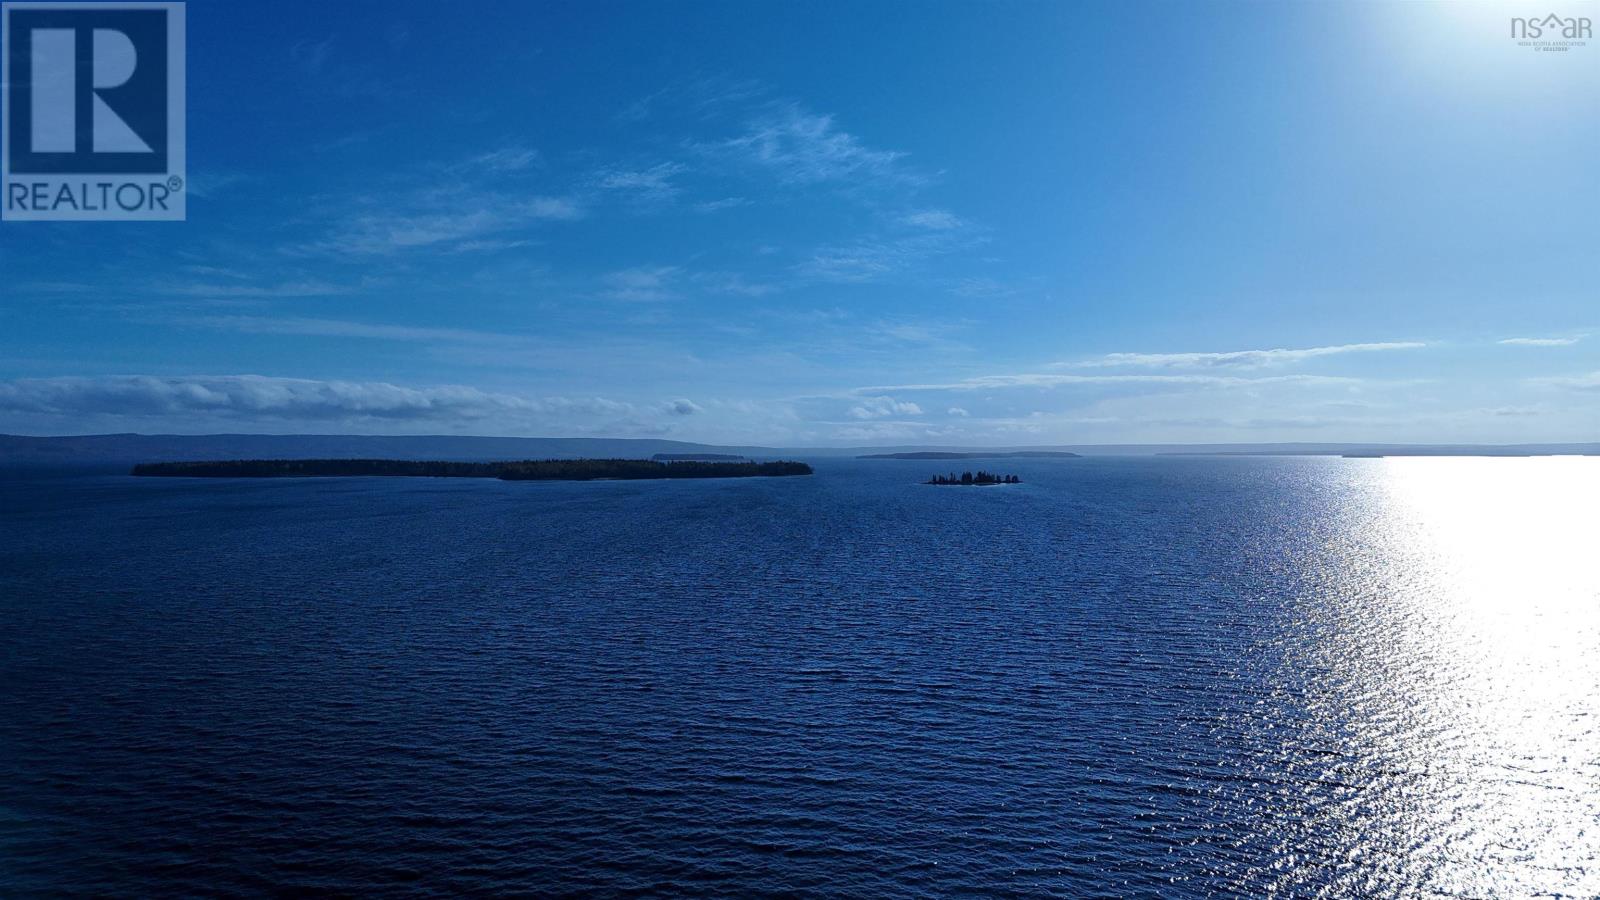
969	478
525	470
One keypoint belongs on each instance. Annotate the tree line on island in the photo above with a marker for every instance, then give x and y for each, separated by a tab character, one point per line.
981	477
524	470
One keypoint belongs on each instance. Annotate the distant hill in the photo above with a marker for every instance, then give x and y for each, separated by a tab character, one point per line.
975	454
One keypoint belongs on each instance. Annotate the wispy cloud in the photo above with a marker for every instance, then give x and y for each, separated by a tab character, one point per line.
311	57
874	258
476	203
433	224
304	288
702	98
1542	342
802	148
732	283
1586	382
883	407
1045	380
652	186
346	329
1238	359
711	206
983	288
503	160
54	287
933	219
325	74
208	184
641	285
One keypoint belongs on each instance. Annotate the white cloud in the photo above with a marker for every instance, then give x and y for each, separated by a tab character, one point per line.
346	329
806	148
469	217
985	288
883	407
1242	359
957	412
1542	342
490	245
873	258
683	407
208	184
305	288
852	264
711	206
932	219
652	185
505	160
259	396
1040	380
1588	382
701	98
640	285
732	283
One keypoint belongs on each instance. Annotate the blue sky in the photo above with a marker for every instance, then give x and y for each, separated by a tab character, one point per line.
826	224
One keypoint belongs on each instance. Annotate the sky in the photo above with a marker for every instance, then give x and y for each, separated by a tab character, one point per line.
832	224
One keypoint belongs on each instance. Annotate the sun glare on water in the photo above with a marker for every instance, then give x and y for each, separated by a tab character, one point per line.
1462	664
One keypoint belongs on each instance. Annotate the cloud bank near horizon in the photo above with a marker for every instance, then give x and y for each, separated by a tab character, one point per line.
262	398
1026	408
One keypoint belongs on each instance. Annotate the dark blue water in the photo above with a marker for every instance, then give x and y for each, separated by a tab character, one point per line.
1185	677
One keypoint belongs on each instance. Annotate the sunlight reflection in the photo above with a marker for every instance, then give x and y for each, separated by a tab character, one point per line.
1486	672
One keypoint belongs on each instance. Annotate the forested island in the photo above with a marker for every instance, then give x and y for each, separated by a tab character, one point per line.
524	470
969	478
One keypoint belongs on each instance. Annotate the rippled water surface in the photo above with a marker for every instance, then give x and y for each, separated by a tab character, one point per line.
1173	676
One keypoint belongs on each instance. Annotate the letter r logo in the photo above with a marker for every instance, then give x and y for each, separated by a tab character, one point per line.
55	91
55	94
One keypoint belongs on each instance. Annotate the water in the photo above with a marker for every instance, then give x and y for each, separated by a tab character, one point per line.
1185	677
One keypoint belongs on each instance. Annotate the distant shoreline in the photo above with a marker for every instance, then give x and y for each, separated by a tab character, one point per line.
523	470
975	454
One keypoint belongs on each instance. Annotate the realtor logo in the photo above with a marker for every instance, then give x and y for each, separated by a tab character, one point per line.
93	115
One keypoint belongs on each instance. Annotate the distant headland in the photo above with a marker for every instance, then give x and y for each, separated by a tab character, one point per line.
975	454
525	470
968	478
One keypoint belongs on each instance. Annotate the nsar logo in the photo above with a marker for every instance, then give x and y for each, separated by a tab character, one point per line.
94	111
1552	33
